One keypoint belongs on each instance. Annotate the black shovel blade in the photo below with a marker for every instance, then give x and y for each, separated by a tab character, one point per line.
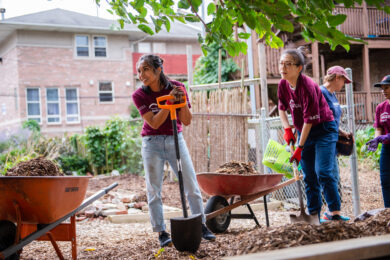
187	233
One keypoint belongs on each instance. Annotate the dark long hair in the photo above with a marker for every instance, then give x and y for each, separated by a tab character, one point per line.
299	55
155	62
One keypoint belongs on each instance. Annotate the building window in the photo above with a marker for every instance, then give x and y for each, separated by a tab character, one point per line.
33	104
144	47
100	46
53	105
82	45
159	47
72	105
106	92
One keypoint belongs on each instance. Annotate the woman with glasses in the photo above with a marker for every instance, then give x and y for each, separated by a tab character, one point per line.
316	127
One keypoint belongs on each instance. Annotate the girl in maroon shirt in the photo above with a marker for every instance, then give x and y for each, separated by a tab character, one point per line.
317	132
382	135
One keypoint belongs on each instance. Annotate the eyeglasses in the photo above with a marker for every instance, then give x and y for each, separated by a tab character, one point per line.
287	64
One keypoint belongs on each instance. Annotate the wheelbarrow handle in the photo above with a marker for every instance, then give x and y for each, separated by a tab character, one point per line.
172	108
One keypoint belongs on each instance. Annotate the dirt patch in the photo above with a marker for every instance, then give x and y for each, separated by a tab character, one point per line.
35	167
235	167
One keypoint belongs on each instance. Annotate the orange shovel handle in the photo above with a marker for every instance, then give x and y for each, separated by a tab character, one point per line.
172	108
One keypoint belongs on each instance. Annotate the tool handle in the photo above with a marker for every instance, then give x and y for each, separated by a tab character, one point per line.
172	108
294	163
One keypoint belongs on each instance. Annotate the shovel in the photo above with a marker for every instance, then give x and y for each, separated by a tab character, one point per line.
187	230
303	216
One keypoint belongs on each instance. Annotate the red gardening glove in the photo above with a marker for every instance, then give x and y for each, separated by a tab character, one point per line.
289	136
297	155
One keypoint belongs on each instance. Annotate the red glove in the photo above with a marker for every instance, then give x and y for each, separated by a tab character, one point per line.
297	155
169	102
288	135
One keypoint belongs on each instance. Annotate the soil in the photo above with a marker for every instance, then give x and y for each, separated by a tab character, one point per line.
235	167
99	239
35	167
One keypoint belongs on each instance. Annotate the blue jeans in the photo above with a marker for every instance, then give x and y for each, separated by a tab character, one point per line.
318	161
156	150
384	165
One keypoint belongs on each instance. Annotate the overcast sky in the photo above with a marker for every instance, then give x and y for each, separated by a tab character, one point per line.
22	7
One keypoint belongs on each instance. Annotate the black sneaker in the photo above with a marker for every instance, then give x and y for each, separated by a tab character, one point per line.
165	239
206	233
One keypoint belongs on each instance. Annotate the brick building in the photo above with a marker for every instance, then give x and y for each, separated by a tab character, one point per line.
69	70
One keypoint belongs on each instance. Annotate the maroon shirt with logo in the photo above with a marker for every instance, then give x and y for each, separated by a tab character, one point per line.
305	103
147	102
382	116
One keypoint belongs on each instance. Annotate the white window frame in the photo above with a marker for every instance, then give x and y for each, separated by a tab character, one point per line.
72	101
105	92
159	47
149	44
53	102
88	45
34	102
93	46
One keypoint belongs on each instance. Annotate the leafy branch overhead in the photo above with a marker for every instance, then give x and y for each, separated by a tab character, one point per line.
315	19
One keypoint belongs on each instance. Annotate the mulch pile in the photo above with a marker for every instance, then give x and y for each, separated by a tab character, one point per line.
235	167
290	235
35	167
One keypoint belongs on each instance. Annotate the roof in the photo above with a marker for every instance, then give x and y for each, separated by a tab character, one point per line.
69	21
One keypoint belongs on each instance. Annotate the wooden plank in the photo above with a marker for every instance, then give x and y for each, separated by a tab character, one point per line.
228	84
373	247
366	81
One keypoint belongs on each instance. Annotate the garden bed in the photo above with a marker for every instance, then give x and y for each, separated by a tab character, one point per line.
100	239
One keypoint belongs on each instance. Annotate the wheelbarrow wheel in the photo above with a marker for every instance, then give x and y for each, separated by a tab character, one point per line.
221	222
7	237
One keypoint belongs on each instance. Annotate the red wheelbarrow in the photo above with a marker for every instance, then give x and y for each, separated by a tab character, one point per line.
39	205
231	186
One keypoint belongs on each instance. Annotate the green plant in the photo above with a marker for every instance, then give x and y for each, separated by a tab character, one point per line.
31	125
206	69
73	163
361	138
95	146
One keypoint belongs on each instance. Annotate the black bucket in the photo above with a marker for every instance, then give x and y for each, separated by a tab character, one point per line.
187	233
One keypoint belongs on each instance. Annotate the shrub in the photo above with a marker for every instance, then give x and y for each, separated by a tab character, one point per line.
361	138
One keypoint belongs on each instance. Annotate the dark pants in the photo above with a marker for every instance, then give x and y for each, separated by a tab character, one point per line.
317	163
384	164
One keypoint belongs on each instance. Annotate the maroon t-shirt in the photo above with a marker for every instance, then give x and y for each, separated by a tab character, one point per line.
305	103
382	116
146	102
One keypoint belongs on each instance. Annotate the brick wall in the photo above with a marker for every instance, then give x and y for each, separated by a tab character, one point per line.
56	67
174	64
9	104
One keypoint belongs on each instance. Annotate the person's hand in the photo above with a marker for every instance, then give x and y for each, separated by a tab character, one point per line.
384	138
289	136
297	155
350	136
178	92
372	145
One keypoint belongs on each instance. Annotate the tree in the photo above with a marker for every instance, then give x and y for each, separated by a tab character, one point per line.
314	17
206	69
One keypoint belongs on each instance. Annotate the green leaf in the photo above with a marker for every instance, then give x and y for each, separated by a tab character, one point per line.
139	4
211	8
145	29
245	36
183	4
335	20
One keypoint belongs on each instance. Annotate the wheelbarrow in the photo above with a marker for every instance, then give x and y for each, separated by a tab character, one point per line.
231	186
38	205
